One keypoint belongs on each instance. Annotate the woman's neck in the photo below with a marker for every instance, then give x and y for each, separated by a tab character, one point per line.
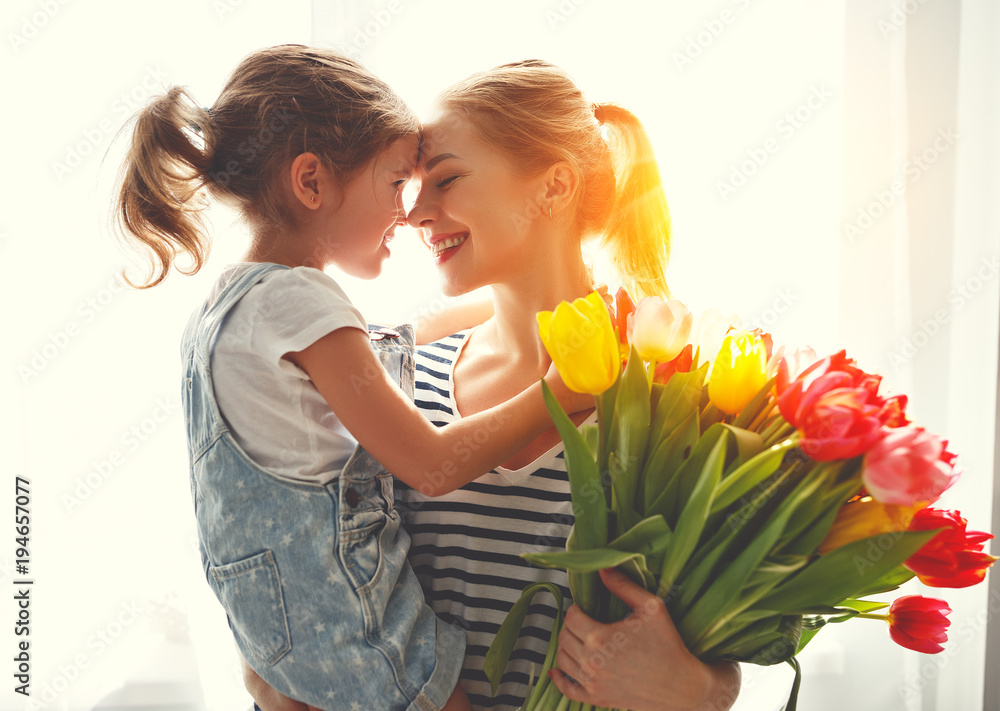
513	330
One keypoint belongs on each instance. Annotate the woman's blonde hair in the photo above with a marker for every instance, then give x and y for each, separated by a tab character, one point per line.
278	103
533	112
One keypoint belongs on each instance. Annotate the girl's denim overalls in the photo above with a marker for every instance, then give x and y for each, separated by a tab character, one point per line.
313	577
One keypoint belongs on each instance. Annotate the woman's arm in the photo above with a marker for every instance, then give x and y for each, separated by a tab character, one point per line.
640	663
433	460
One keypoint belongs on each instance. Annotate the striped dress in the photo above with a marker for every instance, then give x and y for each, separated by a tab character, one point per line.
465	545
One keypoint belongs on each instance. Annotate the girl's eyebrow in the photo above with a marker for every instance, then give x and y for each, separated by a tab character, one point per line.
429	165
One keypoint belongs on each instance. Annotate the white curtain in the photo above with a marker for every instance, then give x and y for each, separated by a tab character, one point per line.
918	293
777	124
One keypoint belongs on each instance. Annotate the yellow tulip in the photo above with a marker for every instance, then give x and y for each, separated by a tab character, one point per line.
865	518
739	372
582	344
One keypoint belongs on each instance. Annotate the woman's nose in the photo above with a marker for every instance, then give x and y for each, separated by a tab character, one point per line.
419	215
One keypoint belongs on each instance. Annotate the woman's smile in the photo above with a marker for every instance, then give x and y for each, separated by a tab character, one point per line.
444	246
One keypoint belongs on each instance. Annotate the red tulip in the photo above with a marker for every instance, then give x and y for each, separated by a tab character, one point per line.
834	405
919	623
908	466
623	307
893	412
954	557
680	364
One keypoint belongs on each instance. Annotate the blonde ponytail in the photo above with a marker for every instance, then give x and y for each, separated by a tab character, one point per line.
163	172
637	235
533	112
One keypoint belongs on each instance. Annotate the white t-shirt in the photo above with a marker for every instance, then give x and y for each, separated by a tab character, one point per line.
274	411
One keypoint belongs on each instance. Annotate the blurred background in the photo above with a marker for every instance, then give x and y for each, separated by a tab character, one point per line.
832	175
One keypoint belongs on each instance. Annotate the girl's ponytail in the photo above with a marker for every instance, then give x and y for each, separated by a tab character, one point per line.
637	235
164	170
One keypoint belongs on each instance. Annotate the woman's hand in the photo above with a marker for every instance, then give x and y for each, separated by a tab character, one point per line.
640	663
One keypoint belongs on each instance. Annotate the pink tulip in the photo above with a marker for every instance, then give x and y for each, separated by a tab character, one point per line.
659	329
908	466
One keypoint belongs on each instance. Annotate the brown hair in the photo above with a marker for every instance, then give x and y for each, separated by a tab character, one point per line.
278	103
534	112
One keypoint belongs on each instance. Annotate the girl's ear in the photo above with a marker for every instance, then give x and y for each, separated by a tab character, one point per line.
311	182
560	184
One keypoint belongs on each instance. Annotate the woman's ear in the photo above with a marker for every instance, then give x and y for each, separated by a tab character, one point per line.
560	186
311	182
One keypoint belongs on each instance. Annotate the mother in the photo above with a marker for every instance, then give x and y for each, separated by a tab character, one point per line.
515	173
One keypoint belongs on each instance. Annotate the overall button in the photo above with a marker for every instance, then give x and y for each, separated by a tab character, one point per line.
351	496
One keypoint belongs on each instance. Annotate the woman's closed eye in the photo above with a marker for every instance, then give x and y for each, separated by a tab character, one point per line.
447	181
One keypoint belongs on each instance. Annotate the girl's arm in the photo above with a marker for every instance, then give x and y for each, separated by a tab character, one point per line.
452	319
433	460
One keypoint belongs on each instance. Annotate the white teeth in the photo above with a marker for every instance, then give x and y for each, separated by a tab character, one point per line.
446	244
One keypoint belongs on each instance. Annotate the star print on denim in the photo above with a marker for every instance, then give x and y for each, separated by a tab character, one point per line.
275	554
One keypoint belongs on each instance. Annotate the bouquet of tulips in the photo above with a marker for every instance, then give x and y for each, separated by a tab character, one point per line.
761	494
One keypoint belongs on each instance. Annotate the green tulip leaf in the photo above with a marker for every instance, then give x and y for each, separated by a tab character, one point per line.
651	535
844	572
503	643
678	399
664	463
749	475
888	582
756	405
748	444
727	595
588	561
692	518
629	435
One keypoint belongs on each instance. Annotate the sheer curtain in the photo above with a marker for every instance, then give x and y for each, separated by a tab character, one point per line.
918	288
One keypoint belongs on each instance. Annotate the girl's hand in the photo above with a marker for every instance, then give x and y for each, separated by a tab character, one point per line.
640	663
571	401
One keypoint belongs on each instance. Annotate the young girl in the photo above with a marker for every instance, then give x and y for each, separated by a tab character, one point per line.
298	535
